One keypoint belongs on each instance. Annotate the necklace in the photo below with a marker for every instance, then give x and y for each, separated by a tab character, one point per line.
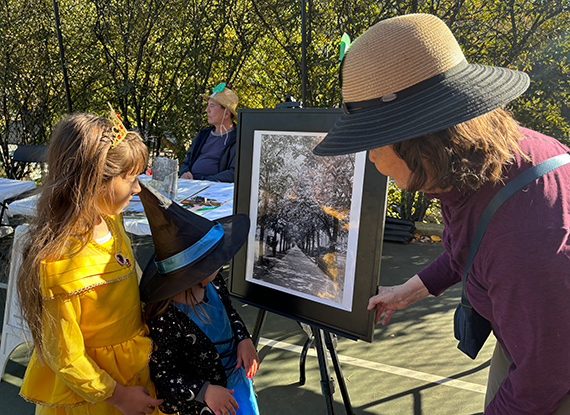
117	242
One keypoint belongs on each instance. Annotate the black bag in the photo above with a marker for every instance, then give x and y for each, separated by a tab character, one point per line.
471	329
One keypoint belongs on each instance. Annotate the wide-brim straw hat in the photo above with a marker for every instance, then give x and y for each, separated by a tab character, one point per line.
226	98
406	77
188	248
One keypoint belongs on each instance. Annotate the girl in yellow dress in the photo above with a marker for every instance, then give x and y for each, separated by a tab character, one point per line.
78	284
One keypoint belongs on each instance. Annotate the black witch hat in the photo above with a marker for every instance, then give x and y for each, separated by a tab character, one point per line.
188	247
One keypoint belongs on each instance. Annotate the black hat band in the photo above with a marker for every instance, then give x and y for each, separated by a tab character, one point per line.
352	107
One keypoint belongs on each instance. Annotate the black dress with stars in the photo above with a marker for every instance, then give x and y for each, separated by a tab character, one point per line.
185	361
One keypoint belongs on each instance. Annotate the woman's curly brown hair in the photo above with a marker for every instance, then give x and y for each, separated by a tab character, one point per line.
465	156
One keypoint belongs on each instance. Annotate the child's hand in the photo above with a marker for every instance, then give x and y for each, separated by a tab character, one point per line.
247	356
133	400
220	400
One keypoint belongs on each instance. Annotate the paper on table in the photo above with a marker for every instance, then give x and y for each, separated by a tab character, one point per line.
190	188
138	225
136	222
221	192
211	190
25	207
10	188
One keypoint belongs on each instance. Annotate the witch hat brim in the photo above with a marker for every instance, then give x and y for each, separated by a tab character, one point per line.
188	247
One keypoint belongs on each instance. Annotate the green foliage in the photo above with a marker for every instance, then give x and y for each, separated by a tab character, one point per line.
28	74
412	206
549	93
153	58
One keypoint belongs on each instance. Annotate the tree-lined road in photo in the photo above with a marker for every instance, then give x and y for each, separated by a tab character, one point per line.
298	272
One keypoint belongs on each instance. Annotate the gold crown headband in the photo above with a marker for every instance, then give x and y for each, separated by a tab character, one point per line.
118	131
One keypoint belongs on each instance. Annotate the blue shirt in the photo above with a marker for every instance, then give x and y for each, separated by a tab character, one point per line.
208	161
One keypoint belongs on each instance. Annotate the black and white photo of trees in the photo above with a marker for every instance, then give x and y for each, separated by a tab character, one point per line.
301	219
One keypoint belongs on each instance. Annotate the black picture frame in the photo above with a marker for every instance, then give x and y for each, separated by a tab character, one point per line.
356	322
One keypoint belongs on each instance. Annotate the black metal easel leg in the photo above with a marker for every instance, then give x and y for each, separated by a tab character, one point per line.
303	359
323	342
327	382
261	314
336	363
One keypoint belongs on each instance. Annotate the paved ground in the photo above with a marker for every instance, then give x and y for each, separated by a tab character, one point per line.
412	367
298	272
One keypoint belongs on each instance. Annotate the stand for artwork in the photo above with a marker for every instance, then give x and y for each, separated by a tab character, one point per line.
261	314
322	339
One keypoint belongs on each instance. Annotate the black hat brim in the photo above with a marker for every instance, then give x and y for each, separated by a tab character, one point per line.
157	287
473	91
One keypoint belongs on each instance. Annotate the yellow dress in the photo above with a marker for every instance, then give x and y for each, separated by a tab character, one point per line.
93	330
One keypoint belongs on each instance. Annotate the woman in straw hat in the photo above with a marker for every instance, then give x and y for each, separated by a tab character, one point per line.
435	123
212	154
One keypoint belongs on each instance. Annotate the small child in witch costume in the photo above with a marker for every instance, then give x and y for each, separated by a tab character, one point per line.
204	358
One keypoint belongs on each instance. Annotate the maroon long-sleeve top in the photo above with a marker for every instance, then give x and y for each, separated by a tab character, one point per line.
520	277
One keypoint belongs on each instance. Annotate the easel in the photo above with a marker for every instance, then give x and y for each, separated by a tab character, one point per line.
321	338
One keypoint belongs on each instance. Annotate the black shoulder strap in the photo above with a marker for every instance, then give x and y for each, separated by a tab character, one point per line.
503	194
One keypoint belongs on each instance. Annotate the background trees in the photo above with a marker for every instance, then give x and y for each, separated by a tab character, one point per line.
153	58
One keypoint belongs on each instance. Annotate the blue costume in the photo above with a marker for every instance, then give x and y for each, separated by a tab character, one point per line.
193	352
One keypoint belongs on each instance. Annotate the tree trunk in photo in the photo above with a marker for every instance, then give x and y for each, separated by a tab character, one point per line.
313	243
274	244
261	235
332	245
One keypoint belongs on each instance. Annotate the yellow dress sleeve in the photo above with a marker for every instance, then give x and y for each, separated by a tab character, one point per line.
65	353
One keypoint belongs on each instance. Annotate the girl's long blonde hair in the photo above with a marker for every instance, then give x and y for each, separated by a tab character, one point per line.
81	162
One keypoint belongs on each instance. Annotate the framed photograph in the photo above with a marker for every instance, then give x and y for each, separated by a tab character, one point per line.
315	242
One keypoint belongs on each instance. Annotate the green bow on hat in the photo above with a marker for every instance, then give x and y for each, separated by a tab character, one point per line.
344	45
218	88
